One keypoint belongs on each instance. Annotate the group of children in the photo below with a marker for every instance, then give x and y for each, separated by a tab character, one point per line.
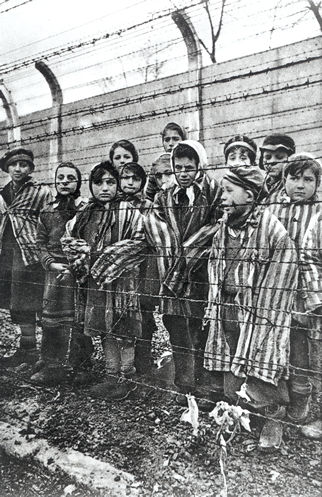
234	266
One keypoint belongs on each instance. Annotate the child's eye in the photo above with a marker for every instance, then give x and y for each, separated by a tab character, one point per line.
167	139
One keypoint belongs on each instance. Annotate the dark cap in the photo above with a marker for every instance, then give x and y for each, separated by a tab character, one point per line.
15	155
250	178
278	140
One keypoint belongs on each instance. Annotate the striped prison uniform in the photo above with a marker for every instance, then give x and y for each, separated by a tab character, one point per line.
265	277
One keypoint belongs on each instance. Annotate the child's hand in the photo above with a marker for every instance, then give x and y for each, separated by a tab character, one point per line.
58	267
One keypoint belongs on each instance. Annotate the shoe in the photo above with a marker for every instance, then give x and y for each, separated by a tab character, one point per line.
49	376
313	430
21	356
122	390
38	365
206	405
81	377
271	436
181	400
104	389
299	409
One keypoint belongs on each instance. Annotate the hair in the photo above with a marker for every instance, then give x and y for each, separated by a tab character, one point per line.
183	150
242	138
98	172
135	168
78	174
298	163
162	159
174	127
127	145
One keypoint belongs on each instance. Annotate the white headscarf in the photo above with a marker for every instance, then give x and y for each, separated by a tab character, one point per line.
203	161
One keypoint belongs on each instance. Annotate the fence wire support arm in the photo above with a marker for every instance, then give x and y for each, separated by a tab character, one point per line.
55	144
14	131
190	37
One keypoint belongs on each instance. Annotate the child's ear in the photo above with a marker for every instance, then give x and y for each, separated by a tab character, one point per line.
250	197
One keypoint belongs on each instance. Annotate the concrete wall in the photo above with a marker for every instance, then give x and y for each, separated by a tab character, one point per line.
276	90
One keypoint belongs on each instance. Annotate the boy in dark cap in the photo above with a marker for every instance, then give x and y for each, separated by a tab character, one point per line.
21	275
275	151
252	275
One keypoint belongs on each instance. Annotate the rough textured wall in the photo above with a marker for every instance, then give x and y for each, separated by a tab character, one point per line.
276	90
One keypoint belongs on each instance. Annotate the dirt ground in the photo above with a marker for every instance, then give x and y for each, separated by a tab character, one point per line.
144	436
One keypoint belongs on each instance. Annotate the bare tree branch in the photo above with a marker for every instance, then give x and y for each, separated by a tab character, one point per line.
315	8
214	36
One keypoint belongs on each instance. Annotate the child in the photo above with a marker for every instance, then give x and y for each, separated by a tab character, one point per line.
311	276
252	275
171	135
161	169
21	274
179	212
132	182
240	151
58	301
275	151
110	311
294	206
122	152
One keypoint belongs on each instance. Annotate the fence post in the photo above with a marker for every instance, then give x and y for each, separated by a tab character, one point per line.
14	131
55	142
191	40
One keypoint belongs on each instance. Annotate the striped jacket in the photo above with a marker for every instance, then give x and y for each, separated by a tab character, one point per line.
105	230
311	259
295	217
23	212
265	277
163	235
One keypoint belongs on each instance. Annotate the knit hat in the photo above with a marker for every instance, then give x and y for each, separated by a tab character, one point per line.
248	177
241	141
278	140
17	154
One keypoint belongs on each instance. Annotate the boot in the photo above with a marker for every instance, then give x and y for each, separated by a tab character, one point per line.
299	408
50	375
313	430
54	347
271	436
127	356
27	351
21	356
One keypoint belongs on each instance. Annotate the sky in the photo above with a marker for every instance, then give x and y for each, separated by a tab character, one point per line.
141	34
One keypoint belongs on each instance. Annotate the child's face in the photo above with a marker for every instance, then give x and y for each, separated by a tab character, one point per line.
273	161
66	181
185	170
105	190
235	200
302	186
170	139
163	174
121	156
130	182
238	156
19	171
